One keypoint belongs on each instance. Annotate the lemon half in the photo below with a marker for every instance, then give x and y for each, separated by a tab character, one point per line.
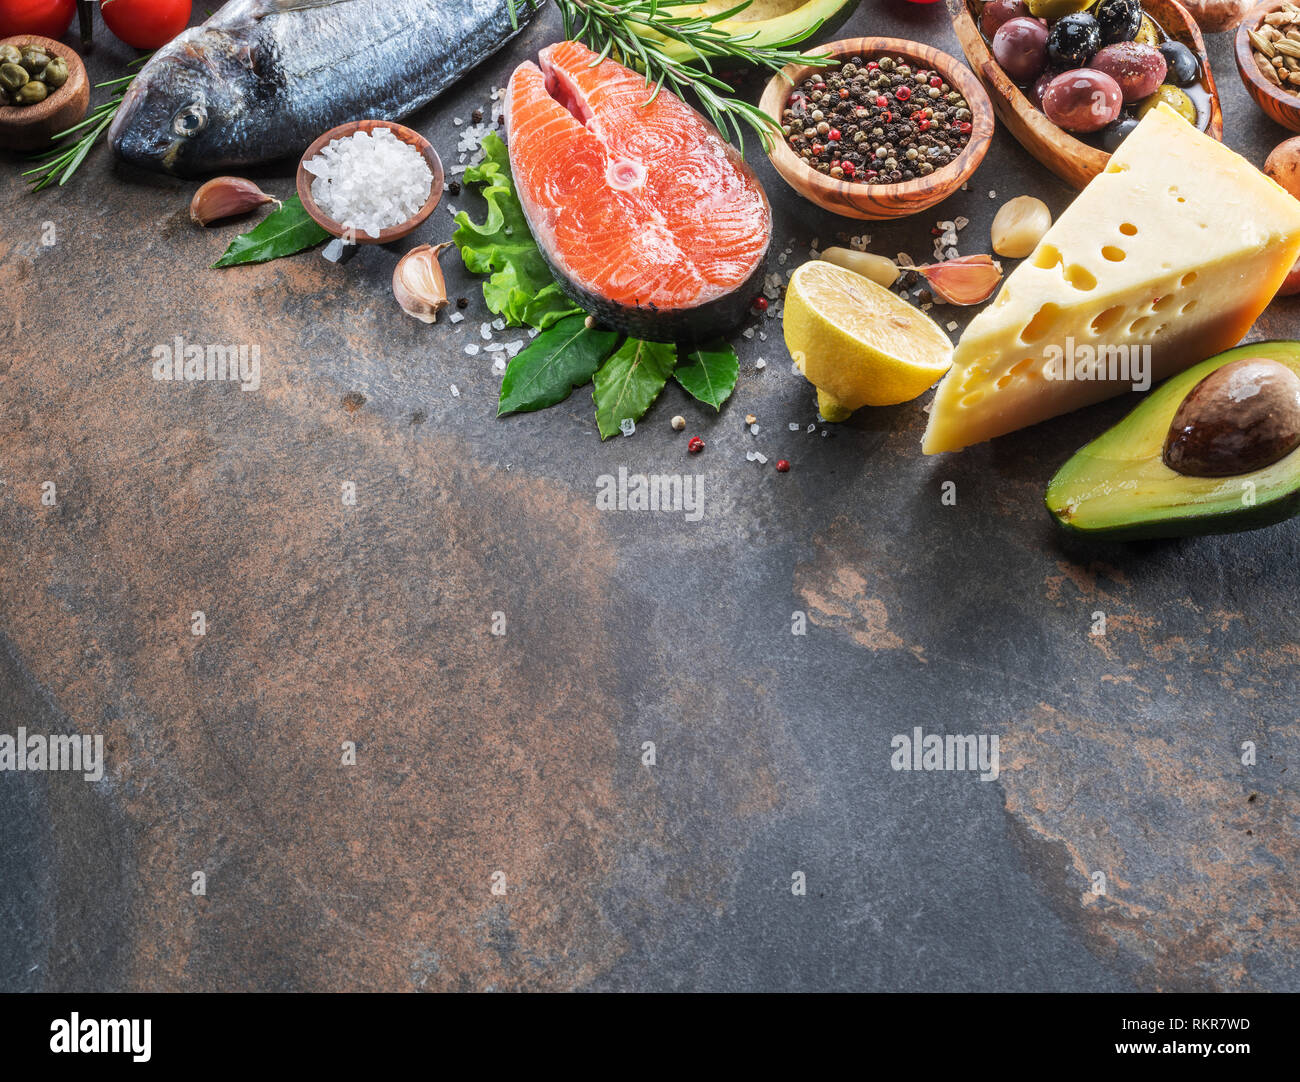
859	343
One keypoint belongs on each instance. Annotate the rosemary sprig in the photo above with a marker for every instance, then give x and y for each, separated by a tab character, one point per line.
62	161
635	32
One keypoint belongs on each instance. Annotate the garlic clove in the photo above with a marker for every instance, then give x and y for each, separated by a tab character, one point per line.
418	285
878	268
224	197
970	279
1019	225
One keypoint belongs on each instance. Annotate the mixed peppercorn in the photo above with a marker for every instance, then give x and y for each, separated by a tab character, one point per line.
876	122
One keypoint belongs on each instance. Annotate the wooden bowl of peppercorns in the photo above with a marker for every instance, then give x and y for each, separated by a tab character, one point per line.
886	129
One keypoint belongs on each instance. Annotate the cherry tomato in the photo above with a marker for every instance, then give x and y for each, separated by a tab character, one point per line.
49	18
145	24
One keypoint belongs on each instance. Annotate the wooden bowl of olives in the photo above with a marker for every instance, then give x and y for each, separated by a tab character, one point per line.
1070	78
43	91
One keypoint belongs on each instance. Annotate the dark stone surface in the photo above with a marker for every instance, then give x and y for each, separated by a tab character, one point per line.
521	753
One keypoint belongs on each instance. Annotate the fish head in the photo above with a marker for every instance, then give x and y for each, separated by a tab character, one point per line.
184	111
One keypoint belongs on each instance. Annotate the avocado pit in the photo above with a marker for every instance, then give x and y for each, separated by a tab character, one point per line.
1238	419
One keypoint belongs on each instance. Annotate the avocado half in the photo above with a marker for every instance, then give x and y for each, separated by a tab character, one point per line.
767	22
1118	488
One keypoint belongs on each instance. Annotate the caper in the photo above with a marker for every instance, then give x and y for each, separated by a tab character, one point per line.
31	93
12	77
10	55
33	60
55	73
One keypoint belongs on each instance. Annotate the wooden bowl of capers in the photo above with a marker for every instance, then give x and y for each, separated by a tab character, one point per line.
43	91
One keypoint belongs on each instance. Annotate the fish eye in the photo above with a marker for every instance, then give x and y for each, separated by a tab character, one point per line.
191	120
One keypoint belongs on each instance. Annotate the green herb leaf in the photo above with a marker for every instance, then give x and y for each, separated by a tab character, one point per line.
521	288
708	373
555	362
629	382
284	231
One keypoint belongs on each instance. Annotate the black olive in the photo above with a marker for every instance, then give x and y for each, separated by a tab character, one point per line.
1118	20
1183	70
1072	40
1114	134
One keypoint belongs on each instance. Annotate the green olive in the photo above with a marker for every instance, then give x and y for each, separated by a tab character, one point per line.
12	77
1148	33
34	60
1173	97
9	54
32	93
55	73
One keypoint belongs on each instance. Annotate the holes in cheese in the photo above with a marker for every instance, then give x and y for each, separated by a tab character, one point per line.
1187	279
1103	321
1080	277
1113	254
1041	324
1047	257
1187	307
1128	229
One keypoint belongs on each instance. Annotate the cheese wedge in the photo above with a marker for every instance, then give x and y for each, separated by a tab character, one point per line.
1178	246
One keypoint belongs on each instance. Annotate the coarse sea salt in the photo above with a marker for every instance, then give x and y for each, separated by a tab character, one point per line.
370	181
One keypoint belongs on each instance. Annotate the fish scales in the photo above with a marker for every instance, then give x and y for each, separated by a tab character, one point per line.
262	78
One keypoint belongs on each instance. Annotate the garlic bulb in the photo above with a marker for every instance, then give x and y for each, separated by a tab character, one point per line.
418	284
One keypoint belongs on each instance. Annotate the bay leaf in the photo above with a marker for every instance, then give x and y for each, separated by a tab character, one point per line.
555	362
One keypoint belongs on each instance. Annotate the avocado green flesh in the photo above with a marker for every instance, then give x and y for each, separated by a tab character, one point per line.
770	22
1118	487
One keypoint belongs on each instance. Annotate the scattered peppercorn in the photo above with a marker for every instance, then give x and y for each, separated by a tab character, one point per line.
876	123
454	187
695	446
462	302
782	466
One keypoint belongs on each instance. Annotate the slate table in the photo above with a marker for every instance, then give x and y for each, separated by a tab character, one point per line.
516	760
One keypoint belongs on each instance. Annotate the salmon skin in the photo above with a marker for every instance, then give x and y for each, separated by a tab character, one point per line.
650	221
262	78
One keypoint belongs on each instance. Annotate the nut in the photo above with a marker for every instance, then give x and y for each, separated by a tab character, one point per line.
1019	225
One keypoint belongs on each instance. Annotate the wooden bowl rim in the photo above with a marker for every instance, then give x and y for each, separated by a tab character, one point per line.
1245	56
1035	119
14	117
407	135
946	179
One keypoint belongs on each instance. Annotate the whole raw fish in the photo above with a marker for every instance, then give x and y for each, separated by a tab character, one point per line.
261	79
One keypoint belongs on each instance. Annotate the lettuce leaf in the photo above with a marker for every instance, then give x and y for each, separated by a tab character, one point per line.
520	287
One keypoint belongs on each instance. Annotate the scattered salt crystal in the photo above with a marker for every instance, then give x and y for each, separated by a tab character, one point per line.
992	194
824	433
793	426
904	260
471	350
749	456
961	223
762	336
760	363
812	428
748	332
627	426
457	317
494	347
499	364
452	210
952	325
781	259
498	324
533	332
514	347
369	181
455	391
951	253
485	331
458	121
753	430
950	236
759	457
926	306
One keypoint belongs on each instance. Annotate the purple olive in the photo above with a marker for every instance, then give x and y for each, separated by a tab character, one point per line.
996	12
1138	69
1083	100
1020	47
1040	84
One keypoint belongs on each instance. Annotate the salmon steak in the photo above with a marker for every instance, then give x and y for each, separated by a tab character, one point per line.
650	221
